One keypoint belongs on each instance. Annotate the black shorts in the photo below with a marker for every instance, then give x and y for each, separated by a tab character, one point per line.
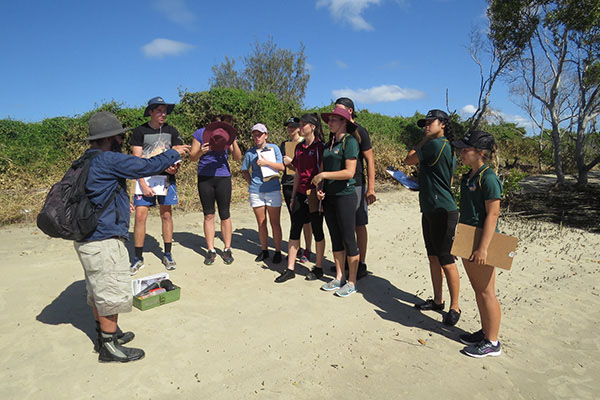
438	232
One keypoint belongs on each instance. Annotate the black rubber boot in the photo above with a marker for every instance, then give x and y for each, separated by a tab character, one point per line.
122	337
112	351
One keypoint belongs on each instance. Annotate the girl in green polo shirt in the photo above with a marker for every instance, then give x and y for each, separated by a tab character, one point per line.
439	213
339	197
480	192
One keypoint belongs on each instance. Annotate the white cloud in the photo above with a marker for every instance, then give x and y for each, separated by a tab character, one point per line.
379	94
159	48
349	11
468	110
175	10
341	64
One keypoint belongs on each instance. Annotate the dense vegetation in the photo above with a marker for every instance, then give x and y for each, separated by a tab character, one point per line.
35	155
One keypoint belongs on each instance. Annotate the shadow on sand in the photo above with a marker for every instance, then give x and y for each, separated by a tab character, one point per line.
70	307
394	304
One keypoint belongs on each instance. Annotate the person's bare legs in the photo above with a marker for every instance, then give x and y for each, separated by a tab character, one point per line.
226	231
437	278
453	281
483	281
139	228
261	220
307	229
108	323
274	219
320	249
293	246
339	258
166	216
361	240
209	231
352	268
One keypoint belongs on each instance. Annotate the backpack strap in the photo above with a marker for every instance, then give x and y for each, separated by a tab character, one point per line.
114	193
439	155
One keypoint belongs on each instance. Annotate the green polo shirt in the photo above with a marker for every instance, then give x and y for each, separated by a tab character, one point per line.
484	185
334	159
436	167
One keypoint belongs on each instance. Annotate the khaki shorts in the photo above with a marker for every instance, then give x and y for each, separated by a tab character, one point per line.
107	279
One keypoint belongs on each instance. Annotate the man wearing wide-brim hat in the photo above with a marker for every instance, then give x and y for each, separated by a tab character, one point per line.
153	137
103	254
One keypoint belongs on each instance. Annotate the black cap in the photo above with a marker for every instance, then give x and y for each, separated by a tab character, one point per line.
431	115
477	139
293	121
348	103
310	118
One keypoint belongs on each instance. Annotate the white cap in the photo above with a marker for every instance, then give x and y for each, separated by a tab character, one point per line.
260	127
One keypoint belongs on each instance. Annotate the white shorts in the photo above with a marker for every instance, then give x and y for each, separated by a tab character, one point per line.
269	199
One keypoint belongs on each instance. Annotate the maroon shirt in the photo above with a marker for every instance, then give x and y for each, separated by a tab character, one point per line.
307	161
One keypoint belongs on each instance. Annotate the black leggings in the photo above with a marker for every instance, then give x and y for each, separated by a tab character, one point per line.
211	188
299	214
340	215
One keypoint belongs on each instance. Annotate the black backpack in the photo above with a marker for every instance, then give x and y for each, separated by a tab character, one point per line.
68	213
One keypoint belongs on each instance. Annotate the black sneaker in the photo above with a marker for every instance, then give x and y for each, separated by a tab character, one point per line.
452	317
262	256
112	351
210	258
472	338
227	257
285	276
429	304
277	257
314	274
362	271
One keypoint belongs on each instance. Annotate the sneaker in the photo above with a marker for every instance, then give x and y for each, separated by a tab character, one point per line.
136	265
285	276
262	256
472	338
227	257
314	274
211	256
362	271
346	290
168	262
333	284
483	349
429	304
305	256
112	351
452	317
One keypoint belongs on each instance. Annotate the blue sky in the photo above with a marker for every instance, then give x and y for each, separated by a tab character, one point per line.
395	57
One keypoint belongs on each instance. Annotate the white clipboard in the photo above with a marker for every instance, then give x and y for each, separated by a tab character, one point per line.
267	172
158	183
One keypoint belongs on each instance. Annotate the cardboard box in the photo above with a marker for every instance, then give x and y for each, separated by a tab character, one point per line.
158	300
501	251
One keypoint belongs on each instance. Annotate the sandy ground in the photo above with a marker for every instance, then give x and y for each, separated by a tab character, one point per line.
236	334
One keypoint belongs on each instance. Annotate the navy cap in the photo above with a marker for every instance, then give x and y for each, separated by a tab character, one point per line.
348	103
157	101
477	139
293	121
431	115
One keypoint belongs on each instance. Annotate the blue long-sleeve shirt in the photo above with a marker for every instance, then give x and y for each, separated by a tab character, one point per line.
107	172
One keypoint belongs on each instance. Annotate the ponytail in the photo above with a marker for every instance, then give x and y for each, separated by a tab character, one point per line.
318	128
449	132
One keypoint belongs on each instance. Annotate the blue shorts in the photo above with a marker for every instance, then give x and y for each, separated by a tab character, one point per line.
169	200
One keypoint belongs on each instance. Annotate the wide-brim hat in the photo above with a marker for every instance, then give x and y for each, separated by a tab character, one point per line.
104	124
477	139
431	115
219	135
157	101
342	112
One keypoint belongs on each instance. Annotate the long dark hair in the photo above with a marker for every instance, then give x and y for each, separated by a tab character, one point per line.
449	131
315	120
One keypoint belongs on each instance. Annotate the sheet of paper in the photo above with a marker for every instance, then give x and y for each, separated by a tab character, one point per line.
268	172
158	183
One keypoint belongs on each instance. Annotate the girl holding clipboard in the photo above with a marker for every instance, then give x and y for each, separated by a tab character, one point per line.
480	192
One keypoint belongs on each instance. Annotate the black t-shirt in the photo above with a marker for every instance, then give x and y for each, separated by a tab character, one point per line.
155	141
365	144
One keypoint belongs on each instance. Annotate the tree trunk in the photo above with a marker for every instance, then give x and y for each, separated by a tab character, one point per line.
560	176
582	169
